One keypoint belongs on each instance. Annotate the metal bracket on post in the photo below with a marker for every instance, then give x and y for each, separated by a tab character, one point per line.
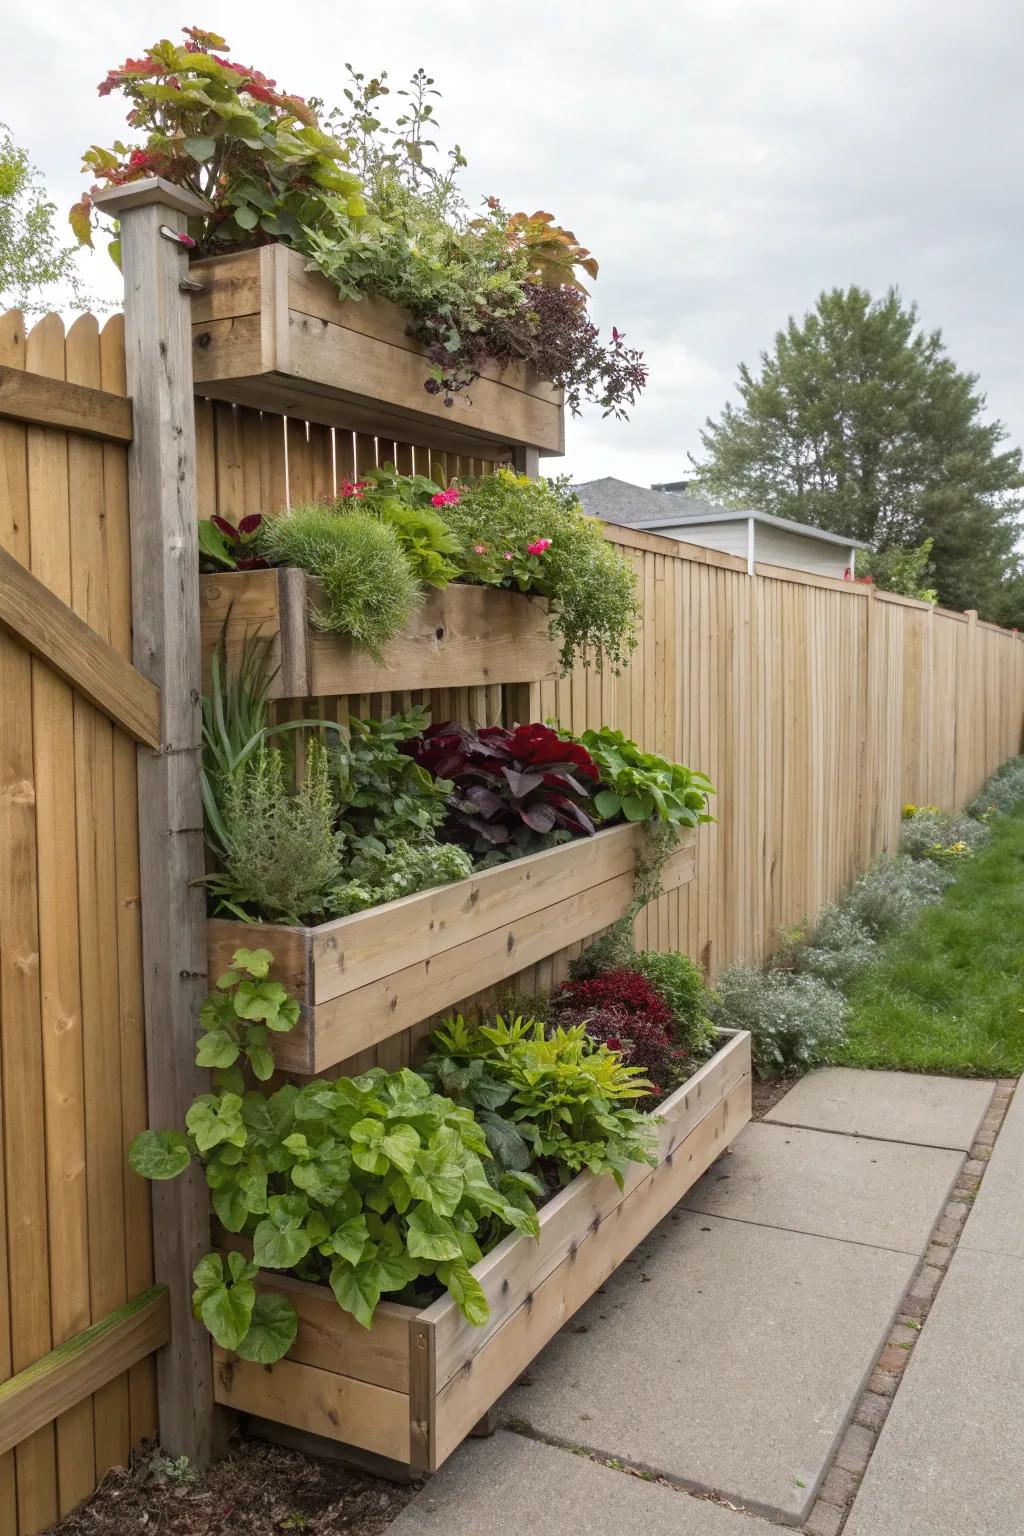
165	619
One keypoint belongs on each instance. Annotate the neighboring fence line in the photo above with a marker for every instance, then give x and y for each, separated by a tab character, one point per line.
817	707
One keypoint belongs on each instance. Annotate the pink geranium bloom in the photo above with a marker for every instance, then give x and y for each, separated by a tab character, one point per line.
538	546
479	549
446	498
508	555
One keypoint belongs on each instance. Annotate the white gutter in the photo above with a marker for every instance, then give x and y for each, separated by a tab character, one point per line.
750	546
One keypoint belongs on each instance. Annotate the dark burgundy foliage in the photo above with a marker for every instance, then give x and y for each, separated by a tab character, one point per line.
241	539
514	790
620	988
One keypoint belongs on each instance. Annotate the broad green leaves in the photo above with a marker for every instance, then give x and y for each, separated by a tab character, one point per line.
642	786
159	1154
241	1013
224	1299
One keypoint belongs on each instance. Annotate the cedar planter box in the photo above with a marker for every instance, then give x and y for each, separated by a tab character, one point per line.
364	978
462	636
412	1387
268	333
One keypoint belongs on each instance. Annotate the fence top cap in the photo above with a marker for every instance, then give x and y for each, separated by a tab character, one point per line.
148	191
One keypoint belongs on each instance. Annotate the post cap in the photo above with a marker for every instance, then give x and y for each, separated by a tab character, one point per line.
146	192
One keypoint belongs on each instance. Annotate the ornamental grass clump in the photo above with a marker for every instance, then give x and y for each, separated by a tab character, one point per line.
370	588
794	1020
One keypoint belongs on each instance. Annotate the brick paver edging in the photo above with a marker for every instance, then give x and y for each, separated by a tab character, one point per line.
843	1478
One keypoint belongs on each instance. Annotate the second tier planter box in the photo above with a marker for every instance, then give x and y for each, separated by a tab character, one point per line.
364	978
268	333
461	637
412	1387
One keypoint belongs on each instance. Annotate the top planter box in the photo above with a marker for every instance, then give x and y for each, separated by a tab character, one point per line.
268	333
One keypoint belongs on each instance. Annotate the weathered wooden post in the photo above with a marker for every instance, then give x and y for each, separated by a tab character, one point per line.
165	616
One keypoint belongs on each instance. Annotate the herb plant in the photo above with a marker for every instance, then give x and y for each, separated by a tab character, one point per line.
371	1183
514	791
572	1099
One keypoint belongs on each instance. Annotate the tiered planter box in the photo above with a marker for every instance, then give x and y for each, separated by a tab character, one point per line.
268	333
364	978
461	637
412	1387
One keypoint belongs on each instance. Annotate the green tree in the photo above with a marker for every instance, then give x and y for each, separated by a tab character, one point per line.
32	258
859	422
906	571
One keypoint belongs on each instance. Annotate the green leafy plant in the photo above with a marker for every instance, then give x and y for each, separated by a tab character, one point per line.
282	854
903	570
794	1020
413	506
370	588
399	870
641	786
680	983
257	156
381	791
591	588
572	1099
371	1184
225	547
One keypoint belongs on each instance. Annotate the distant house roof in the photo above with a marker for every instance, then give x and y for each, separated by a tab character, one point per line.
635	506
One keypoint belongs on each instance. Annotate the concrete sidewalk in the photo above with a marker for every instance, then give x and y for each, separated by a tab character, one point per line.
728	1355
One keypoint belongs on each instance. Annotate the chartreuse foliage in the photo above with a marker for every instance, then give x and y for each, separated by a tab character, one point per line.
371	1183
643	786
570	1100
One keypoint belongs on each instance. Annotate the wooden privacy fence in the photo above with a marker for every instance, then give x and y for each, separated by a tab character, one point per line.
817	707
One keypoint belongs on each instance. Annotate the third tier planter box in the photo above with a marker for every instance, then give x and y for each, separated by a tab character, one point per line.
268	333
364	978
461	637
412	1387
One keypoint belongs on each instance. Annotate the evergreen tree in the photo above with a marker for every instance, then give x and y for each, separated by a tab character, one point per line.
859	422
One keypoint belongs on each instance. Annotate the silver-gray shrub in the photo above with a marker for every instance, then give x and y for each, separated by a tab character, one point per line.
889	895
934	834
839	947
794	1019
1003	793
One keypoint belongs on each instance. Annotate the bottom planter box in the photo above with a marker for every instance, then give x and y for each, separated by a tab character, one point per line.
410	1389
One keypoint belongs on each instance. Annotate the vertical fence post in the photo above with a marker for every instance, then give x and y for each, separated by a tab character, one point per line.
165	618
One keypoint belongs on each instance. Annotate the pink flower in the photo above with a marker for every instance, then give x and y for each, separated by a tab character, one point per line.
508	555
479	549
538	546
353	488
447	498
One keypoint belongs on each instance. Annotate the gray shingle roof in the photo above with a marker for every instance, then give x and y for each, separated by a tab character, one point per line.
634	506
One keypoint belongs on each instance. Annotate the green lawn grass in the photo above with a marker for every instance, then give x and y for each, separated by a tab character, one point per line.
948	996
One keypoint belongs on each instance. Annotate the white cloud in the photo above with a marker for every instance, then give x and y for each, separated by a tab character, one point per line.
725	160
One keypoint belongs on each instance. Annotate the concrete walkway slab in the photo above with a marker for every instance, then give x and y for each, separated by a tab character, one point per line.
509	1483
950	1458
891	1106
725	1355
996	1223
877	1192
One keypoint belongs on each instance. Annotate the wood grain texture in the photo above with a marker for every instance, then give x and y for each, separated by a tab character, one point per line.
46	625
82	1365
79	408
165	607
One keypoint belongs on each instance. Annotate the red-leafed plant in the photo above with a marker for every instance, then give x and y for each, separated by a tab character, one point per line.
515	791
223	547
620	987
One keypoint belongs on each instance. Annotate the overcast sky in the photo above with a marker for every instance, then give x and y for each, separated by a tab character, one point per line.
724	160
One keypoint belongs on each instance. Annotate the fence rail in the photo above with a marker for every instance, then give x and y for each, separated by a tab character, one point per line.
817	707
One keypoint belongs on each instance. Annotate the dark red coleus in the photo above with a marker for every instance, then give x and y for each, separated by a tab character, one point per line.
240	538
510	786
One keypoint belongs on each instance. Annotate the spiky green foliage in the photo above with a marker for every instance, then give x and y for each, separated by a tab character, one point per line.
370	588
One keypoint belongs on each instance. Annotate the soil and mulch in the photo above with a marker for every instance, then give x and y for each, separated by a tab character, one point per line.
766	1093
257	1490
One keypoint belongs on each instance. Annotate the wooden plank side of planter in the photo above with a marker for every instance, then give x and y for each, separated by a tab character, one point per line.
461	637
269	333
482	930
467	1396
513	1270
322	1402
